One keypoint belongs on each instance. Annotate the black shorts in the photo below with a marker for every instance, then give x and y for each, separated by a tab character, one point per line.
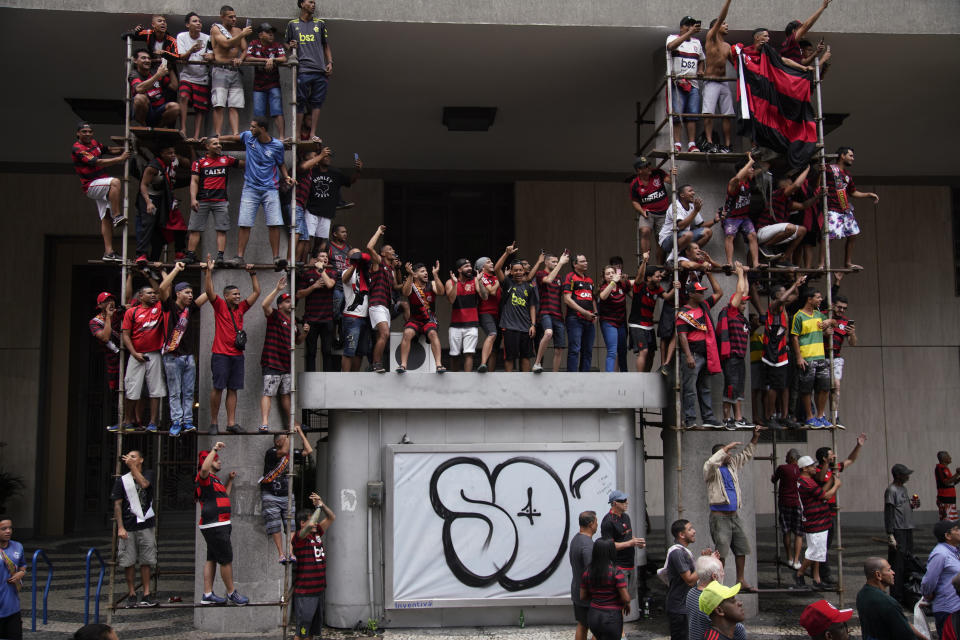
227	371
219	549
668	322
643	340
11	627
308	615
734	379
775	378
517	344
488	322
580	614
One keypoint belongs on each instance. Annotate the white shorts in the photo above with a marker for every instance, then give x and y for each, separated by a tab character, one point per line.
323	227
767	233
838	368
151	370
463	340
717	95
99	192
378	313
816	546
226	88
312	223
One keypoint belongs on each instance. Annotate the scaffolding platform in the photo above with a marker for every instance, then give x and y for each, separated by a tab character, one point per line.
699	156
130	264
156	137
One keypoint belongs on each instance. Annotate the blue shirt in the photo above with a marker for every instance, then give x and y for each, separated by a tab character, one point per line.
263	162
9	596
942	565
731	490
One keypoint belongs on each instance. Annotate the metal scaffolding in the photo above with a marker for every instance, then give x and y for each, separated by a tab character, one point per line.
670	156
132	137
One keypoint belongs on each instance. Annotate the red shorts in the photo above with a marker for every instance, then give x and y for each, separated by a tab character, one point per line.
196	94
421	326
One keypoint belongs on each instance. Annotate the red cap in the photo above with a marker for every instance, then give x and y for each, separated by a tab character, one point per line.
104	296
820	615
203	456
742	299
282	297
698	287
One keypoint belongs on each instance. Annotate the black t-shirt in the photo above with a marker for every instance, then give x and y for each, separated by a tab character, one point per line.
146	500
678	562
619	529
581	550
517	300
325	191
181	325
275	472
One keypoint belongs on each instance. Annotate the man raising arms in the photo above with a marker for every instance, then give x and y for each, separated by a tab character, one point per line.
717	97
229	47
464	291
382	285
421	292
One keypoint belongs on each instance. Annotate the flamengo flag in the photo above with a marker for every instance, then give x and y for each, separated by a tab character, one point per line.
775	105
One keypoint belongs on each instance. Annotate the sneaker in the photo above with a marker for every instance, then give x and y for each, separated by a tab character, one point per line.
237	599
740	422
152	427
219	262
799	583
665	370
175	429
114	428
378	367
819	586
692	148
722	148
188	427
708	147
279	264
677	147
119	221
141	259
129	427
234	428
212	598
132	602
712	423
345	204
113	256
147	601
482	368
773	423
728	424
824	422
790	423
213	429
401	369
236	262
264	428
537	368
190	257
769	253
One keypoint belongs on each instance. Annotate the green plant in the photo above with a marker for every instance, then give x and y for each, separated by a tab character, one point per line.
372	625
11	485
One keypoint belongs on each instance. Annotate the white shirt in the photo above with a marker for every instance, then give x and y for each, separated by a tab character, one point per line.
686	56
196	74
350	295
670	218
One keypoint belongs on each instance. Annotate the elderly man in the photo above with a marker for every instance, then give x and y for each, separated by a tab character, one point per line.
943	565
721	472
616	526
709	569
882	617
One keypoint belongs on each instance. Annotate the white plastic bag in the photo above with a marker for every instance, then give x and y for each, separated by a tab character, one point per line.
920	618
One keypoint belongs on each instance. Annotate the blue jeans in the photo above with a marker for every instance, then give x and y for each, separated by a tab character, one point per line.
250	201
181	376
262	99
686	102
580	336
696	388
616	340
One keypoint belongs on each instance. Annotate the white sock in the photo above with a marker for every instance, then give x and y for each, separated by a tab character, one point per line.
691	145
207	595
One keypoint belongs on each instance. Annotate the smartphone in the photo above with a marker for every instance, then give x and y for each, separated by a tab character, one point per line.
249	23
356	157
619	272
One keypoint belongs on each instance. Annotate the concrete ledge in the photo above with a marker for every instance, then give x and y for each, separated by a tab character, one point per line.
482	391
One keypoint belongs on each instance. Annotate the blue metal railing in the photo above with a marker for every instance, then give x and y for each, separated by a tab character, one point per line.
46	590
93	551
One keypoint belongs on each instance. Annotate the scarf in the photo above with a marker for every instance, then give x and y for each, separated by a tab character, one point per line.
133	498
12	568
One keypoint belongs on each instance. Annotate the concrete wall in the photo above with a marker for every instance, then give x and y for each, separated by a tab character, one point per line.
928	16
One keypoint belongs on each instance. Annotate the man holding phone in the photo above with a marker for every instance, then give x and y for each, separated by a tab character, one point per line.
307	37
845	329
229	48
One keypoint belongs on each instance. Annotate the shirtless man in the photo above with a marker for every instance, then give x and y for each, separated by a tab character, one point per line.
229	47
717	97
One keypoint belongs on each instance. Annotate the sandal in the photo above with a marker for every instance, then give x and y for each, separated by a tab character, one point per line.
401	369
441	370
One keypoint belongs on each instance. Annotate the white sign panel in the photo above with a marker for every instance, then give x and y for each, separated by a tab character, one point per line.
491	525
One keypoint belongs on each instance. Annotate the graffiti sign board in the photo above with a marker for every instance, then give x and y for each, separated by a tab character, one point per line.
491	524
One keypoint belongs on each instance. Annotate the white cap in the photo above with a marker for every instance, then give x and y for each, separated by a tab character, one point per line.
805	461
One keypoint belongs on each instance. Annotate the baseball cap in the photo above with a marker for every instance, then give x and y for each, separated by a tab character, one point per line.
478	265
821	615
203	456
714	594
942	527
265	26
688	20
642	162
459	263
743	298
695	287
901	470
282	297
617	496
806	461
180	286
104	296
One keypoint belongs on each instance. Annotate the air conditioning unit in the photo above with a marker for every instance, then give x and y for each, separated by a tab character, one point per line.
421	356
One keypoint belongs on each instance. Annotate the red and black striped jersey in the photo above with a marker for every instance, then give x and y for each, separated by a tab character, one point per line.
276	343
775	338
303	189
651	193
85	157
421	302
840	332
550	294
319	303
157	94
464	312
778	212
381	287
839	187
214	501
212	172
606	593
613	310
581	288
946	492
738	202
713	634
816	509
644	304
310	576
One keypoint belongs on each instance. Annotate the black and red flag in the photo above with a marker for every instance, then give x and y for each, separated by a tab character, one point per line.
775	109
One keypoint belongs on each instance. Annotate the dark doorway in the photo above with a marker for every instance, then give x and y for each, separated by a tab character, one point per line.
429	222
